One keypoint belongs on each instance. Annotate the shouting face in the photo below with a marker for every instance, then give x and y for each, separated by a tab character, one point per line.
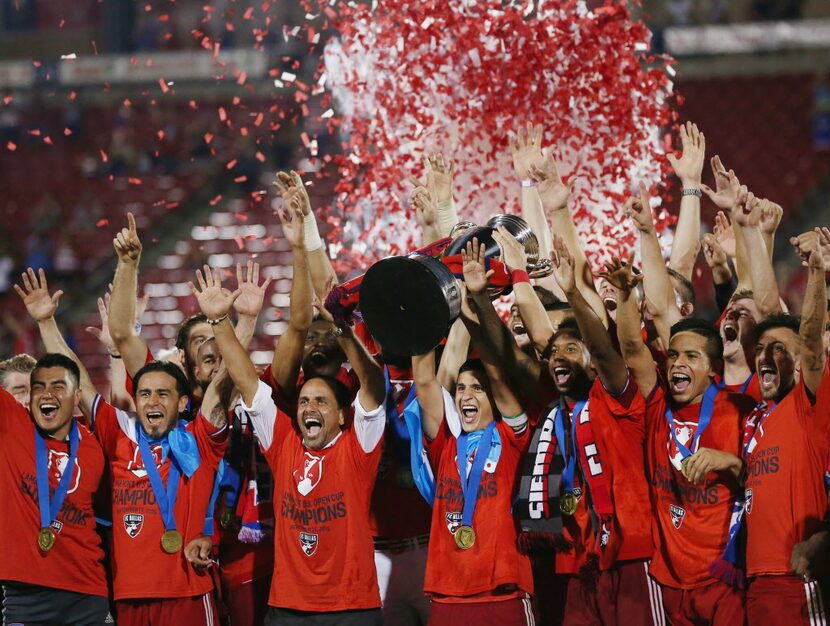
53	399
570	365
319	417
689	368
473	401
738	328
158	403
777	362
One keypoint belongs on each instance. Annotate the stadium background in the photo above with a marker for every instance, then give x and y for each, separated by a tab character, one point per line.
181	111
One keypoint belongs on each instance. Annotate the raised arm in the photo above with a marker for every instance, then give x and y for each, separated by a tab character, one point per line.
42	307
250	300
454	354
725	196
429	394
635	353
610	365
118	395
288	355
657	285
130	346
426	213
475	280
554	194
290	186
813	311
689	169
438	186
747	215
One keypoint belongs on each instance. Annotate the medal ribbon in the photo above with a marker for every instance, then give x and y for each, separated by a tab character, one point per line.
470	490
744	386
706	408
569	471
166	499
393	416
49	510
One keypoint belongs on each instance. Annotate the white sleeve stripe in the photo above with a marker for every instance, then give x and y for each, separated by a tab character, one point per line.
451	414
263	415
369	425
518	423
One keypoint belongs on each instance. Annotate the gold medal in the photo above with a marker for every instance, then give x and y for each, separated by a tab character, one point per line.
683	465
171	541
227	519
46	539
568	503
465	537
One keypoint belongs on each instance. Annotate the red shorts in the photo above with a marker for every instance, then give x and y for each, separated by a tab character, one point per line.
193	611
778	600
624	595
716	604
515	612
247	603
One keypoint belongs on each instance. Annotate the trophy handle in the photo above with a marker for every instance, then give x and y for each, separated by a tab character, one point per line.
540	269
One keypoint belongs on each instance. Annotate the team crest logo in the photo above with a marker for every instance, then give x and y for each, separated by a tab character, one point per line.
57	466
684	436
748	500
136	466
308	477
133	523
577	491
308	542
677	515
453	521
57	526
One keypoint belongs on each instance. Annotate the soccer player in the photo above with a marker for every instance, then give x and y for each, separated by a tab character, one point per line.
323	472
474	567
15	377
687	412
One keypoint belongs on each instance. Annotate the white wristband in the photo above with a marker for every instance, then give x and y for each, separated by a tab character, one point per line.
447	217
528	183
311	235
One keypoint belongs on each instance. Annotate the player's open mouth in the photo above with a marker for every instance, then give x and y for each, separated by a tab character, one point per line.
313	426
318	358
155	417
48	409
561	375
768	376
610	303
730	333
469	413
680	382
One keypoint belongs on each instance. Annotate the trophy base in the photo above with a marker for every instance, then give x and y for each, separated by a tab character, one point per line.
409	302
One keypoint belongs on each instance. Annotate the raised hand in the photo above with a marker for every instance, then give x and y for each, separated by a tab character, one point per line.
426	212
214	300
724	234
527	150
747	212
727	186
713	252
291	218
621	275
809	247
513	253
476	275
552	189
639	210
251	293
319	304
103	334
689	167
293	192
126	243
563	266
35	294
771	214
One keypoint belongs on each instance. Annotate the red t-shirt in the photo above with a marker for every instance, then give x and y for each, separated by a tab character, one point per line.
137	525
398	509
785	494
494	561
690	522
323	549
618	427
75	561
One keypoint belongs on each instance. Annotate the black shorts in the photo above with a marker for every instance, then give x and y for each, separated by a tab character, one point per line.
289	617
32	605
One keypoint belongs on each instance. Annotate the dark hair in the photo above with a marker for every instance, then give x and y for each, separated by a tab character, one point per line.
183	334
778	320
685	287
568	327
476	367
59	360
549	301
19	364
742	294
714	343
341	392
171	369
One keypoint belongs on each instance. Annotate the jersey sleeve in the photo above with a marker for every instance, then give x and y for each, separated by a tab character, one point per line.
104	423
212	441
628	404
369	426
10	410
263	414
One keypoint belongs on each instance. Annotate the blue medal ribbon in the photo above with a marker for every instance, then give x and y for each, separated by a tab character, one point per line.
49	511
707	406
470	487
569	470
165	498
401	432
744	386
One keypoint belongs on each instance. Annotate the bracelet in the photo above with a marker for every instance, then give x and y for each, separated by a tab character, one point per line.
114	356
338	332
528	183
519	276
692	191
137	328
218	320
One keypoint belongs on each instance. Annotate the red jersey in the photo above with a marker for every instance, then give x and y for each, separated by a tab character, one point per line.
750	387
137	524
494	561
618	427
690	522
75	563
323	549
785	494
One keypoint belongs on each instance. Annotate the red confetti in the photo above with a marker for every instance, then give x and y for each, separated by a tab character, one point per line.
231	164
133	180
11	146
260	157
47	140
216	200
208	137
240	179
104	156
67	132
101	223
239	243
222	114
7	99
163	85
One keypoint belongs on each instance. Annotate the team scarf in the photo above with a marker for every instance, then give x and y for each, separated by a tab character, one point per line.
730	567
541	520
